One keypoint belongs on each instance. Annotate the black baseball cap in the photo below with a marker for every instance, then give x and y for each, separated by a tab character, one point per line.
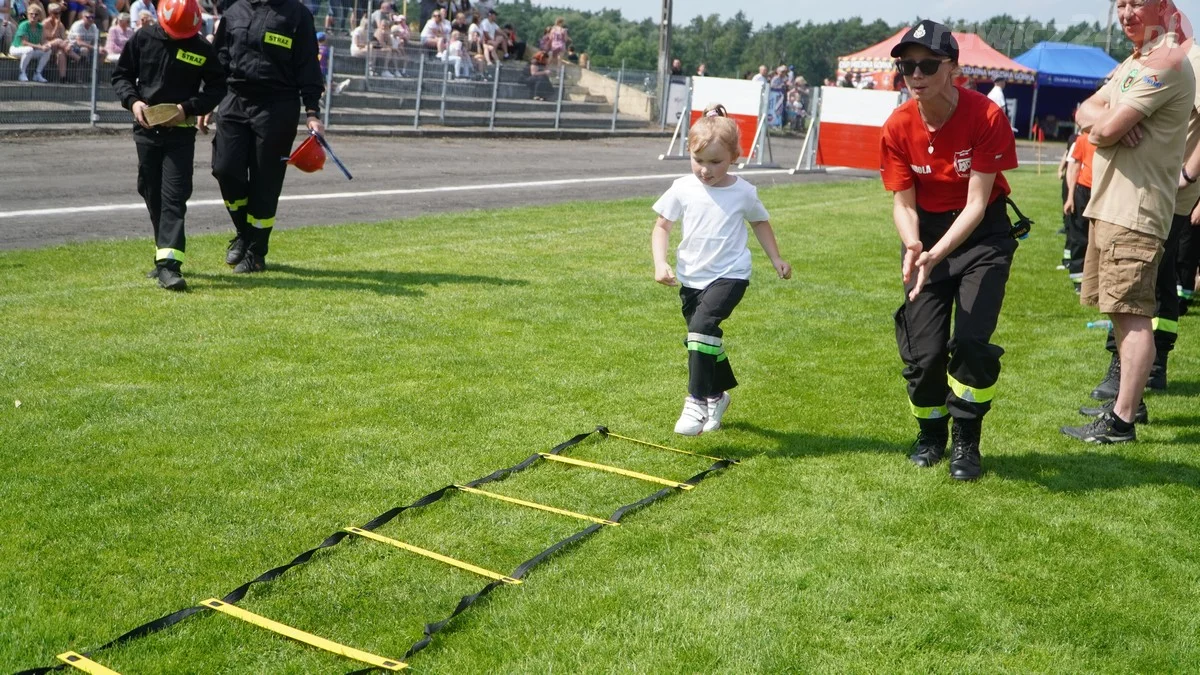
931	35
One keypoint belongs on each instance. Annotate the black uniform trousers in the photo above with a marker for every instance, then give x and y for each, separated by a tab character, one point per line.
1166	296
1077	233
249	159
1188	262
165	183
952	367
709	372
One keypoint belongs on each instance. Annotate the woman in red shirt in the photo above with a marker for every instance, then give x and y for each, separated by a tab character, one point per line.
941	155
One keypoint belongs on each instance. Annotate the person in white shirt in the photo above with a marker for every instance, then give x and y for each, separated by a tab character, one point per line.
996	95
434	35
84	34
712	261
761	77
139	6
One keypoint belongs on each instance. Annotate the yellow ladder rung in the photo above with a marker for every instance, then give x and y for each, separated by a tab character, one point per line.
430	554
301	636
618	471
81	662
664	447
535	505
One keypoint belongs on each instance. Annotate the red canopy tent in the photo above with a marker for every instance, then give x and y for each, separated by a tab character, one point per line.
978	60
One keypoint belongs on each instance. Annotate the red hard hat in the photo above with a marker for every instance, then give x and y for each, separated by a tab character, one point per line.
309	157
180	19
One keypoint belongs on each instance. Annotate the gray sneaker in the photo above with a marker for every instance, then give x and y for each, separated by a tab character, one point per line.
1101	430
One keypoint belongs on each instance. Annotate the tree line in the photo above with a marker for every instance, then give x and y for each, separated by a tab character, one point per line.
733	48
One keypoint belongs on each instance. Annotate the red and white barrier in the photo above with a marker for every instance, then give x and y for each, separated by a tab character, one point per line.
744	101
851	126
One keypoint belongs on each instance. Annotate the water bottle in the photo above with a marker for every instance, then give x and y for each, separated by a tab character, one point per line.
1103	323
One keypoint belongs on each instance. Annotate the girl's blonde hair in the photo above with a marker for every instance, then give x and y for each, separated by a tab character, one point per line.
714	126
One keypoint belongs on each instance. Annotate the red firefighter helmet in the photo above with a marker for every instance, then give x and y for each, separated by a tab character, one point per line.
309	157
180	19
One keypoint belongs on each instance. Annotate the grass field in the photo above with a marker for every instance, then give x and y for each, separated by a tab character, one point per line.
169	447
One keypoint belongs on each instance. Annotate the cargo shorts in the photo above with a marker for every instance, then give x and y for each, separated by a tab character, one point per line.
1120	270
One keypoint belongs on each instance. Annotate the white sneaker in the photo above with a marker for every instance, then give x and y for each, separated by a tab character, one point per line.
341	86
37	77
692	419
22	77
716	410
389	75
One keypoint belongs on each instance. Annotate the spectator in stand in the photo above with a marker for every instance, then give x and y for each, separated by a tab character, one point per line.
495	36
7	27
145	20
559	39
85	36
428	7
55	34
29	43
779	79
516	48
323	55
761	77
702	70
360	42
385	53
139	6
676	67
377	17
478	44
539	76
460	23
572	56
433	36
456	53
400	34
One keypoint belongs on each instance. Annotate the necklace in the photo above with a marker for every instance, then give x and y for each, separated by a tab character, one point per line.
933	137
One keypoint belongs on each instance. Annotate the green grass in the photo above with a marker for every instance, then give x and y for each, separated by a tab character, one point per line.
169	447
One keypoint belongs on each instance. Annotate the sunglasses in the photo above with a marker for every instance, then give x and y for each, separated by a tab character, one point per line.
928	66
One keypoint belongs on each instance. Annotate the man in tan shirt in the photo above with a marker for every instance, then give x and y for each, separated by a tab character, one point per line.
1138	122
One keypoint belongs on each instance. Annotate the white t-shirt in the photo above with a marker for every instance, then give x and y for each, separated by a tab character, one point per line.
488	26
79	30
714	228
136	9
997	96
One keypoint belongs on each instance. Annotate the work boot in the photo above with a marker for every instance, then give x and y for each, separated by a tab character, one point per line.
235	251
964	454
1142	416
931	443
1105	429
251	262
1111	384
170	279
1158	376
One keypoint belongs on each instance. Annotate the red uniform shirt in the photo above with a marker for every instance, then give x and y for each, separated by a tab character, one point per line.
977	137
1083	152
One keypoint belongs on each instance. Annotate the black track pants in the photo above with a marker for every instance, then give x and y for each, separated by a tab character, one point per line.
1188	262
249	159
165	183
949	361
709	372
1077	233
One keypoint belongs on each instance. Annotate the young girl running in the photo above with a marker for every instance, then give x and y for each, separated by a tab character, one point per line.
713	261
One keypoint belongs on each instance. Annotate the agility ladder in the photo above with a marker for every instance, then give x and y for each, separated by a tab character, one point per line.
228	604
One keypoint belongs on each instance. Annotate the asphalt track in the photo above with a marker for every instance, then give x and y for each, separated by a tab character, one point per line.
81	188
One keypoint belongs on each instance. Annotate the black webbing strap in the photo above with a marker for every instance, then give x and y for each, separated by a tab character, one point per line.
525	567
237	594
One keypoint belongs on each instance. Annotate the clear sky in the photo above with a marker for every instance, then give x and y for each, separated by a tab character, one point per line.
786	11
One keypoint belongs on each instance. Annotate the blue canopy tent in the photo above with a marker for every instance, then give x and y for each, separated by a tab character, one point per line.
1066	75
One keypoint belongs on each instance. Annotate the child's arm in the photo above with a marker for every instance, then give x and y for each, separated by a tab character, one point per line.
660	241
766	238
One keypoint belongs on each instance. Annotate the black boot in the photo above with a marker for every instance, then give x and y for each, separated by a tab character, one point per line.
1108	388
170	278
236	250
964	455
1158	372
931	442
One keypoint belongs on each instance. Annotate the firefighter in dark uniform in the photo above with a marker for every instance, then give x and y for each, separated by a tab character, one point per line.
168	63
269	51
941	155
